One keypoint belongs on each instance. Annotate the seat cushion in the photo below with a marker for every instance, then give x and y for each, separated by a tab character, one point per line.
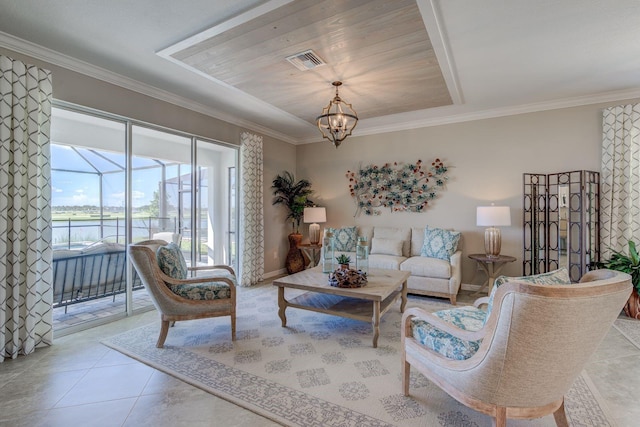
427	267
202	291
171	261
467	318
388	262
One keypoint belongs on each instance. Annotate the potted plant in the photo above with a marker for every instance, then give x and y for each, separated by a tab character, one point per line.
629	264
294	196
344	261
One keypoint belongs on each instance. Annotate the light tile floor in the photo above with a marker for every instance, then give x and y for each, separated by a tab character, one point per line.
80	382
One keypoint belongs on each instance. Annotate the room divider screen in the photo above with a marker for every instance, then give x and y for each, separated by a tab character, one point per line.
561	219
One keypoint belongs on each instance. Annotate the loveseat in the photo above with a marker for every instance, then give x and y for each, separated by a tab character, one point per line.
404	249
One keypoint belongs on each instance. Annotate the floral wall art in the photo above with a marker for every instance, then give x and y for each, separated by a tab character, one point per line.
397	186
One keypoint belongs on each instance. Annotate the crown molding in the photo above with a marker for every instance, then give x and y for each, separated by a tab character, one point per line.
579	101
33	50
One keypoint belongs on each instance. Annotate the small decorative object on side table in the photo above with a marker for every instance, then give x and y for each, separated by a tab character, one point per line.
491	265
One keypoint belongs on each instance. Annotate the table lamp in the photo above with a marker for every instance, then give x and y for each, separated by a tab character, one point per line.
314	216
492	217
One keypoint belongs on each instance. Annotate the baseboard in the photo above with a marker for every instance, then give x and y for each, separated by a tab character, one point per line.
273	274
470	287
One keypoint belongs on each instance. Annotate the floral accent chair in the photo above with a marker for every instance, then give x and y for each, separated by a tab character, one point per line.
164	273
514	360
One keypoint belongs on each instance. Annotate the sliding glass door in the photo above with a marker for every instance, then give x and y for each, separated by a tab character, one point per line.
180	185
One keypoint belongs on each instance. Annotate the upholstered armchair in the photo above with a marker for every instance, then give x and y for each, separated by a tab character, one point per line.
520	357
177	297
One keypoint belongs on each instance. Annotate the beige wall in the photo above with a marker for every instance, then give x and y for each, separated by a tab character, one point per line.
486	158
80	89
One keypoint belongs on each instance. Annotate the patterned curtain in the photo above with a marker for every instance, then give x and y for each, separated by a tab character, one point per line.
620	179
25	212
251	212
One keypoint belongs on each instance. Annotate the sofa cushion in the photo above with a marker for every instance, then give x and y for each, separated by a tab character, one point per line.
403	234
555	277
417	240
439	243
345	239
427	267
386	246
171	261
388	262
467	318
202	291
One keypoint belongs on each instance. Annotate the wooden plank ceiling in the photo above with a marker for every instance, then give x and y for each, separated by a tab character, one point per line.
379	49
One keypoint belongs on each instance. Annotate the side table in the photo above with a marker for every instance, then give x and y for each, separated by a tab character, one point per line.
312	252
491	266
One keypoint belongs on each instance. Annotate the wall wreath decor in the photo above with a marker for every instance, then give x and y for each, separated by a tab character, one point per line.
397	186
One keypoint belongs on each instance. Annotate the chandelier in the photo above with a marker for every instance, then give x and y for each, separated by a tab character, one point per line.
338	119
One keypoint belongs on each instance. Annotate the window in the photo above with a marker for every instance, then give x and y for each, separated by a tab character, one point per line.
92	218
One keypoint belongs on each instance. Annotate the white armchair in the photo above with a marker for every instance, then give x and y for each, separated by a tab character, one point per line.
520	359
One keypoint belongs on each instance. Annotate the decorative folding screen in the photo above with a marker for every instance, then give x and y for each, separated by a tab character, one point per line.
561	219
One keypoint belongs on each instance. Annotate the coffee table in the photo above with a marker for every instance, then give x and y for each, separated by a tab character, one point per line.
368	303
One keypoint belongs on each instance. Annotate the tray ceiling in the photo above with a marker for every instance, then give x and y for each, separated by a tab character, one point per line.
379	49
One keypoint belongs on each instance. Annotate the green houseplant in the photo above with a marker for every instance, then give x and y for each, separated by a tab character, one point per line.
294	196
344	261
629	264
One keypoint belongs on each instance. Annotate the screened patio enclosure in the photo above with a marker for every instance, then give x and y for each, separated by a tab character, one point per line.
103	199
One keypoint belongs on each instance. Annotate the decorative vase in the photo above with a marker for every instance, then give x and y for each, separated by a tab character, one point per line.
294	261
632	308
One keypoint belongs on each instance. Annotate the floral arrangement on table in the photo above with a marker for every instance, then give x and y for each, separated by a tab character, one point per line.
397	186
348	278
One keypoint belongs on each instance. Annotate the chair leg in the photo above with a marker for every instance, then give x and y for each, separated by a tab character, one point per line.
233	326
560	416
406	374
501	417
164	330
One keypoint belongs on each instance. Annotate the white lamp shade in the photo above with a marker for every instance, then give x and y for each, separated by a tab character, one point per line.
315	215
491	216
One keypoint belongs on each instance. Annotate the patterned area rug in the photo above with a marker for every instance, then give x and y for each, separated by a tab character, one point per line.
320	370
630	328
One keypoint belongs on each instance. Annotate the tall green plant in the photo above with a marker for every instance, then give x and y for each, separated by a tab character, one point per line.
292	194
629	264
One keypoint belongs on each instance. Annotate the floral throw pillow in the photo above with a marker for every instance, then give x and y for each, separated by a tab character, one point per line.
171	261
439	243
345	239
555	277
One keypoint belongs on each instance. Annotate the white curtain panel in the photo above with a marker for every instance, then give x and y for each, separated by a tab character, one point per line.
251	211
620	179
25	208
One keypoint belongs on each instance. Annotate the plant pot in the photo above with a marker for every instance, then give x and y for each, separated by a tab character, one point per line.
632	308
294	261
344	266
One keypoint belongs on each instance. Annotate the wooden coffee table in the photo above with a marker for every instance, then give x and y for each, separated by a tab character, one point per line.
368	303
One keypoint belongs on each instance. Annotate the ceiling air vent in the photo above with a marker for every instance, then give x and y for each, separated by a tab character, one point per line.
307	60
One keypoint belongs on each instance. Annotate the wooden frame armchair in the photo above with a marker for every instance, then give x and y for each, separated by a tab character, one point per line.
171	306
534	343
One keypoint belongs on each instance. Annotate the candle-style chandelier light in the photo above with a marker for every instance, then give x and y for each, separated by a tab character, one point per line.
338	119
